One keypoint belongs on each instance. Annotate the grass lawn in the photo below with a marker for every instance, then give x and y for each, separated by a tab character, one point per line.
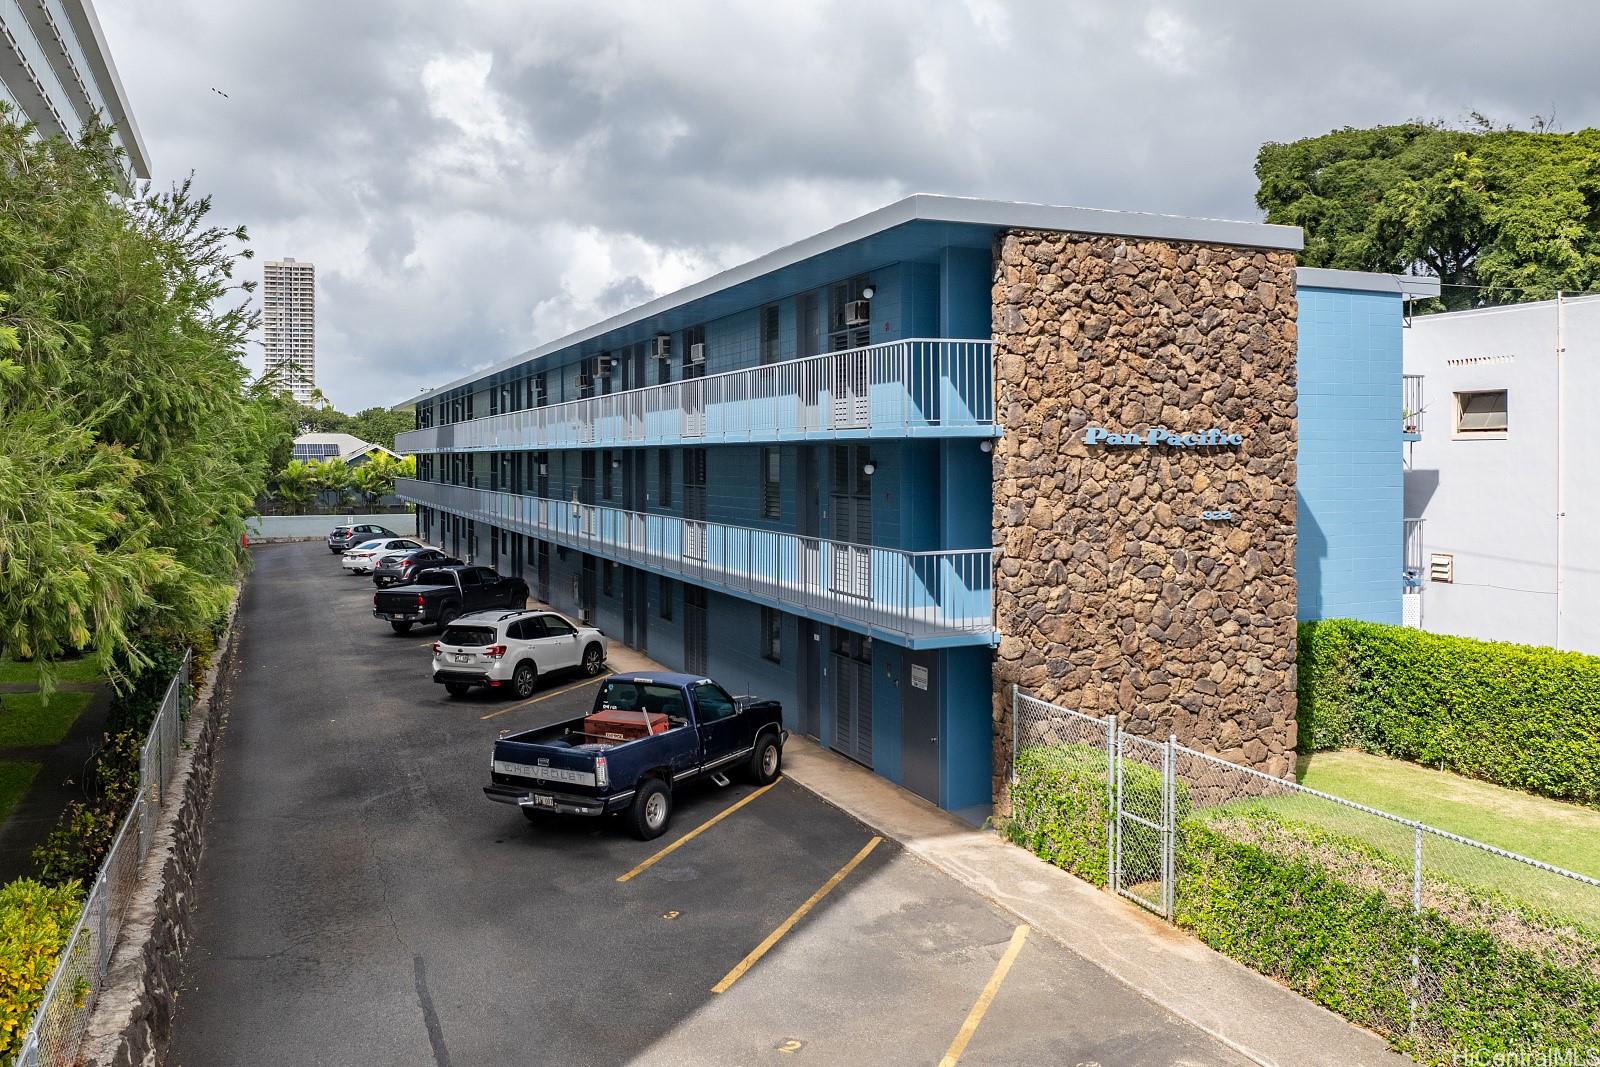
67	670
15	778
26	720
1566	835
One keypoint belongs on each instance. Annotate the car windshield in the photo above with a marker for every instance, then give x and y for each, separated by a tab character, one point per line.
640	696
467	636
366	545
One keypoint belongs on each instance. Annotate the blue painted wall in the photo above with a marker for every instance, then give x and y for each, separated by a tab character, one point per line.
1350	488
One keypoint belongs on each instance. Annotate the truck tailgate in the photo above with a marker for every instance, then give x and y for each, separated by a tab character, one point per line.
549	766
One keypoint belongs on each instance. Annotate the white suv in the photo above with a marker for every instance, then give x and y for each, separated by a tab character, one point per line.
364	558
510	649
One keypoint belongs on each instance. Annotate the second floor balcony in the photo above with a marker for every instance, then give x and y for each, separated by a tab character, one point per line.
911	388
1411	407
919	599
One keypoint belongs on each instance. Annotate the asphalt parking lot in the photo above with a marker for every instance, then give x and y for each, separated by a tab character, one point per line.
361	902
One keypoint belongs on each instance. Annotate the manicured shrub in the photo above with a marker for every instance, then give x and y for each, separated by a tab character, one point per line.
1059	807
1059	810
1519	716
1332	917
77	846
35	922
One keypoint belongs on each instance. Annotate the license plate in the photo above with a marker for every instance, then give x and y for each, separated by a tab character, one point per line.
463	659
543	802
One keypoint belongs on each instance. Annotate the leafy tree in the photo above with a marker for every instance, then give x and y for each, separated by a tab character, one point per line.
1500	215
294	485
330	476
131	446
379	425
370	481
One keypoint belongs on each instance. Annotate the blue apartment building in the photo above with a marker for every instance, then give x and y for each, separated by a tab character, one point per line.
785	477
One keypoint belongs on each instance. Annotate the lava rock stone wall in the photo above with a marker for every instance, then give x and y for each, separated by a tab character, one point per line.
1112	592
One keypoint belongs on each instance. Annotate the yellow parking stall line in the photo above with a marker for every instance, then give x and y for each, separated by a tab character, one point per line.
788	924
975	1016
696	832
543	696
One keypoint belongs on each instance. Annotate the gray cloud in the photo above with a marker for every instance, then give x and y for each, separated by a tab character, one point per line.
474	178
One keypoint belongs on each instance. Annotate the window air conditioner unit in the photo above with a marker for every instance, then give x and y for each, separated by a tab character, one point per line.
585	379
1442	567
603	366
661	345
697	353
858	313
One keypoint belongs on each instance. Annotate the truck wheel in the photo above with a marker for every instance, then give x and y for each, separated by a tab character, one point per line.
652	809
400	627
446	617
593	661
457	689
766	760
524	679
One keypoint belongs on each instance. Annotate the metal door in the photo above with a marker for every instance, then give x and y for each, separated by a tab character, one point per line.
694	503
849	385
851	668
695	629
542	574
850	522
810	678
920	726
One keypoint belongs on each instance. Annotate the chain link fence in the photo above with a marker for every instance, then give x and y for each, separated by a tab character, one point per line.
57	1031
1443	944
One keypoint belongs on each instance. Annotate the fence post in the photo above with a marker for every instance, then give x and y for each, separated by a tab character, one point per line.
1416	924
1016	702
1112	800
102	953
1116	791
1169	821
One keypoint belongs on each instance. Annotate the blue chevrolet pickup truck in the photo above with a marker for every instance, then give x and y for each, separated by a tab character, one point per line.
647	735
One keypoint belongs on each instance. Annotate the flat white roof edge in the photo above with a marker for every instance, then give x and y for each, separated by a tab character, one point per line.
105	73
919	207
1366	281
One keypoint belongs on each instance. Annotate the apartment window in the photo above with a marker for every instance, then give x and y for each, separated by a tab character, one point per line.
664	477
1481	413
771	635
771	468
664	597
769	334
607	482
541	392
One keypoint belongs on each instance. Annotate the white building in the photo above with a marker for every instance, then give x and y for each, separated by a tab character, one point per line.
1503	473
289	324
56	71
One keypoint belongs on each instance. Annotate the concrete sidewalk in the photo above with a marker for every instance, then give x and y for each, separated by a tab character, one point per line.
1246	1011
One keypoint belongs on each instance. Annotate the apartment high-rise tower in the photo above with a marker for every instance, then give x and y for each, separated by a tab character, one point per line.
289	325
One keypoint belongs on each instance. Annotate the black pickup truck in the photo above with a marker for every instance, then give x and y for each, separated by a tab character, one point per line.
647	735
440	594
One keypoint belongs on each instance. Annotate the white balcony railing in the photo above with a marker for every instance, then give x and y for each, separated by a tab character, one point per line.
1411	406
935	387
1411	556
882	591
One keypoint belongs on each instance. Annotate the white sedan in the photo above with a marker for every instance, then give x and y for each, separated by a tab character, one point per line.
509	650
363	558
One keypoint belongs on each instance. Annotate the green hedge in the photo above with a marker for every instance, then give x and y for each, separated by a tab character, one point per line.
1060	804
1523	717
1332	918
35	922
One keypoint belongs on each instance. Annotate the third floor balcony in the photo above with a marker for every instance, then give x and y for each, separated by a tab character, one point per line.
910	388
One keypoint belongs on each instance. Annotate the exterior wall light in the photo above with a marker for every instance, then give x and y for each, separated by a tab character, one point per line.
985	445
866	294
869	468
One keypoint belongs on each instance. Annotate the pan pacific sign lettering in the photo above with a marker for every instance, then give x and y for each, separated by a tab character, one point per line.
1160	435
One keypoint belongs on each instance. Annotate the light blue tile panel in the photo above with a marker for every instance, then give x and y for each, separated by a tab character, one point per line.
1349	484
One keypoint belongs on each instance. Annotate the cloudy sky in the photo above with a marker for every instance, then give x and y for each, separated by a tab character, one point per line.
474	178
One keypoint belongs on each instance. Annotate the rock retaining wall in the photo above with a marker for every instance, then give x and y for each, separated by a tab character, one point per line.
1113	590
132	1020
